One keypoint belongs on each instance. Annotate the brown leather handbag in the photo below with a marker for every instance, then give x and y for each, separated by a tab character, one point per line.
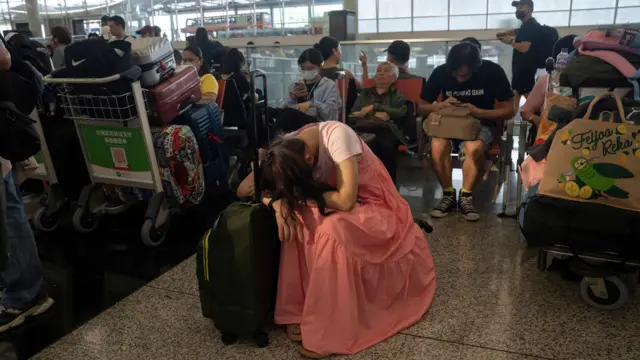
452	122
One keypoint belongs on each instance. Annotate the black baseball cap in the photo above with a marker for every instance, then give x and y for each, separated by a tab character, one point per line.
529	3
400	50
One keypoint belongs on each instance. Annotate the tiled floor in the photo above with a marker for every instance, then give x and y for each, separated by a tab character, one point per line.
491	303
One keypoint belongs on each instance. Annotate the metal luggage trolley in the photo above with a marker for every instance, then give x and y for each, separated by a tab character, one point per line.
52	199
118	149
608	278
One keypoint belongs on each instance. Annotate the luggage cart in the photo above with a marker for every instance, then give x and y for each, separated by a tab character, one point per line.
117	145
608	278
46	217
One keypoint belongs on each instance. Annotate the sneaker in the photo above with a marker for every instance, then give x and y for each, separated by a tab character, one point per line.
446	205
14	317
466	207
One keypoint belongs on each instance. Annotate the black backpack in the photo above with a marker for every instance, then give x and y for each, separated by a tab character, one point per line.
31	51
544	47
98	59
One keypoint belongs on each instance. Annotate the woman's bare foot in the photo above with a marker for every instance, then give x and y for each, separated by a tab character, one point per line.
294	333
310	354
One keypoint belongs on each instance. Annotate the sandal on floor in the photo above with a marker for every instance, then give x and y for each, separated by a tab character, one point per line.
310	354
294	333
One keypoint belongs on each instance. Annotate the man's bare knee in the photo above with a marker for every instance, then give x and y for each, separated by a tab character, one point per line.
440	148
474	149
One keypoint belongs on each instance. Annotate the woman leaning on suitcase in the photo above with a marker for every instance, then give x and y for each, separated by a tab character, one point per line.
355	269
208	83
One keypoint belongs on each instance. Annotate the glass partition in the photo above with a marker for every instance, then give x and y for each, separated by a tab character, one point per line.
281	62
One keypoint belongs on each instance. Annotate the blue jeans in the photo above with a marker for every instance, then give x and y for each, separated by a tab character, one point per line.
22	276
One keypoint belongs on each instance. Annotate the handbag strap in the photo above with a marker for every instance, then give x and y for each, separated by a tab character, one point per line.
603	96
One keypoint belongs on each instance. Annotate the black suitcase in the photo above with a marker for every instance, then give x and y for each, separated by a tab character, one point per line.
237	265
581	226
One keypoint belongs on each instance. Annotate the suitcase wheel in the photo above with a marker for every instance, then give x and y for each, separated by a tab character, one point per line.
229	338
261	339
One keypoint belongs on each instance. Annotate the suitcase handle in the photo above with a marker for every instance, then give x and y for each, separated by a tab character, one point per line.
257	127
185	106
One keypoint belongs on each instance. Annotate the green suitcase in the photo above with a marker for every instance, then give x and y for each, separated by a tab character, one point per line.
238	262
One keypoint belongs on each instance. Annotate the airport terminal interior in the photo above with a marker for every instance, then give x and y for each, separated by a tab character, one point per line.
121	293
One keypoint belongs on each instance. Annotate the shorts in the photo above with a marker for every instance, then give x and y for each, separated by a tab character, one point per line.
523	81
485	134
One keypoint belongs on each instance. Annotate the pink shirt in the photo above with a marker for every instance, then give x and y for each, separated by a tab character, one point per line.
338	142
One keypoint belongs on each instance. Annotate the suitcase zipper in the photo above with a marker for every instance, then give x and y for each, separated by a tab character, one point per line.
205	248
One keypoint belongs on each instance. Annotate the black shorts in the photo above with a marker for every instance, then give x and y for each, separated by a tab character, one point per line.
523	81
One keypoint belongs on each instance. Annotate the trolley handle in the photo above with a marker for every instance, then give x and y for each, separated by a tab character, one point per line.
132	74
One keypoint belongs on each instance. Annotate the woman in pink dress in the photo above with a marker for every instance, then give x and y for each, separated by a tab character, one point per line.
355	268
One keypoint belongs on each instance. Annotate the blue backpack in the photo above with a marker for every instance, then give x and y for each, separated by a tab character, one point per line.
206	124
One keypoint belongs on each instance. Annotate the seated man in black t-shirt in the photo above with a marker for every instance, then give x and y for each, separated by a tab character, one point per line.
482	87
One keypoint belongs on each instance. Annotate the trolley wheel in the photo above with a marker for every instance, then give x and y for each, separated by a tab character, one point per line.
261	339
228	338
151	235
44	222
83	221
613	294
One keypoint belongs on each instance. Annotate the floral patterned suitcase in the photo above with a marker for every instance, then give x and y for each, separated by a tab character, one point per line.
180	164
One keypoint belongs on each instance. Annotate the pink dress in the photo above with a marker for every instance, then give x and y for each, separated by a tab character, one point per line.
357	277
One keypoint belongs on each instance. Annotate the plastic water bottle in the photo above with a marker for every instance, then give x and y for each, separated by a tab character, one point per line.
563	59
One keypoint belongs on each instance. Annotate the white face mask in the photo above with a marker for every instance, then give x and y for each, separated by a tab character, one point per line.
309	74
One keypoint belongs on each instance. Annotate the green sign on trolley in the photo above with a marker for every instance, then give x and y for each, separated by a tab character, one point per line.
115	152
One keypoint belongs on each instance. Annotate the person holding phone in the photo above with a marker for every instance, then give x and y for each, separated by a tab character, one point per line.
314	95
481	86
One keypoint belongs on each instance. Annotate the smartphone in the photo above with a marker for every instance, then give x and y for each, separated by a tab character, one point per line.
299	85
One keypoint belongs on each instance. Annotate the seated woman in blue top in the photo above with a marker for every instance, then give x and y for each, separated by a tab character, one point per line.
314	95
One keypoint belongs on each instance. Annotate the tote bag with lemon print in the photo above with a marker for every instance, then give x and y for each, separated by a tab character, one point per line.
595	161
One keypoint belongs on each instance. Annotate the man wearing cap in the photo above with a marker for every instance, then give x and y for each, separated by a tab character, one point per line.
146	31
398	53
149	31
523	63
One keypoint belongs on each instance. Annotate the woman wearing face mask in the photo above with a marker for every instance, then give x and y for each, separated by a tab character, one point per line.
332	54
355	269
208	84
314	95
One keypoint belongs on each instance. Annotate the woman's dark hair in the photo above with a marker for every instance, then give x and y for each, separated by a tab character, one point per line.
204	69
177	55
232	62
326	45
311	55
105	19
202	37
565	42
464	54
61	34
93	36
473	40
288	177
